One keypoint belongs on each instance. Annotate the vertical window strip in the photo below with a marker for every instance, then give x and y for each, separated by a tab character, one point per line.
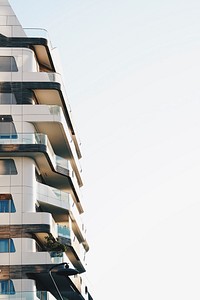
6	246
7	287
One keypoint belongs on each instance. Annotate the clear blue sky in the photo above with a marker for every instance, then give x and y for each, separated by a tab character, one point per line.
132	74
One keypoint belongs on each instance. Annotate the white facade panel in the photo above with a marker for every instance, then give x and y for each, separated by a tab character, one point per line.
3	20
6	10
24	285
12	20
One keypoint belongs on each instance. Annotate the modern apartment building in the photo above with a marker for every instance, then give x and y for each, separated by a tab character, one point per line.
41	229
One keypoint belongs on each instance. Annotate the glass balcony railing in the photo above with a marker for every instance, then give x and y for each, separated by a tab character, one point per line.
42	139
34	138
38	33
23	138
57	111
62	199
64	231
52	194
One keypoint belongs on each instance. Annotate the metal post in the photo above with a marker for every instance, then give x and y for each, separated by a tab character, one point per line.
57	289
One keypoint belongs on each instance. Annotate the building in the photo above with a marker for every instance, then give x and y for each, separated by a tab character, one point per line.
40	175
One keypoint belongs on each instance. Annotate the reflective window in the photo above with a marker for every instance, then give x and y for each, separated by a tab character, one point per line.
8	64
7	167
6	287
6	245
7	127
42	295
7	206
7	98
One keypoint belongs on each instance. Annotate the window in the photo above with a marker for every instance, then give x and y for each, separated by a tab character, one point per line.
6	287
7	167
7	127
42	295
6	204
8	64
6	245
7	98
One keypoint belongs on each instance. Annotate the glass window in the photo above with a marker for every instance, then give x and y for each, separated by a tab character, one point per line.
6	245
6	287
8	64
7	127
42	295
7	206
7	167
7	98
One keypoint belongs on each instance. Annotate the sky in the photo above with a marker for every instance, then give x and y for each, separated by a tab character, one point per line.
132	74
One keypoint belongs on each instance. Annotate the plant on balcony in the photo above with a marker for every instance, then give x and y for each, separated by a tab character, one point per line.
54	245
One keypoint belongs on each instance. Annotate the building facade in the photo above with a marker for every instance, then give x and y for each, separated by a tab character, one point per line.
41	229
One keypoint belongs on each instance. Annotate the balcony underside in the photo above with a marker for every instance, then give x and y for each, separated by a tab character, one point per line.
66	287
72	254
43	281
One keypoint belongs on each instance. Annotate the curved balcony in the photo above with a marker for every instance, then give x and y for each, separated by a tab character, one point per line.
36	39
48	89
50	120
56	171
61	204
37	33
39	223
75	250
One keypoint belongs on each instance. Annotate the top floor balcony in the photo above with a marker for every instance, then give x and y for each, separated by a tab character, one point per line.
36	39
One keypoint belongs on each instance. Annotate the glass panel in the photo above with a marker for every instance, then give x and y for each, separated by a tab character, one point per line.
7	167
7	287
12	247
64	231
6	245
4	206
7	98
8	64
7	206
12	206
7	130
7	127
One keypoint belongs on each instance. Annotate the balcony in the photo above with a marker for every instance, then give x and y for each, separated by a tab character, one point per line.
50	120
60	204
68	286
75	250
56	171
26	224
48	89
39	33
36	39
